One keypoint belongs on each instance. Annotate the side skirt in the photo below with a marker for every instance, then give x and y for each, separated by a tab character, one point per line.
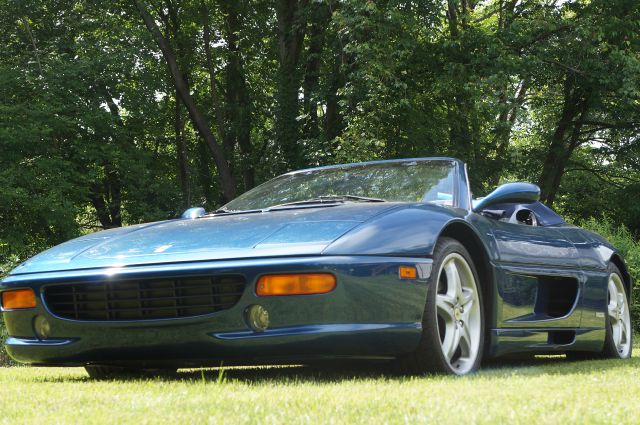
507	341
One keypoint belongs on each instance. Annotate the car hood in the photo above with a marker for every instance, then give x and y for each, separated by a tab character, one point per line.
296	231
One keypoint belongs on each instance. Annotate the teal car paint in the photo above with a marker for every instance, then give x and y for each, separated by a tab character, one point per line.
544	282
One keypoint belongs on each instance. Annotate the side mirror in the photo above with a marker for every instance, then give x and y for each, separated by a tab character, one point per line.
193	213
520	192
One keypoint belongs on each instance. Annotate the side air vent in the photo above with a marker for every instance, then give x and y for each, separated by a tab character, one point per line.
556	296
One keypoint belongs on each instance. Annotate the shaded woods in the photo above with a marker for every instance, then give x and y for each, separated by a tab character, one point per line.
115	113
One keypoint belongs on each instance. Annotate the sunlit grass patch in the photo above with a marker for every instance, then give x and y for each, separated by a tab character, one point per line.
541	390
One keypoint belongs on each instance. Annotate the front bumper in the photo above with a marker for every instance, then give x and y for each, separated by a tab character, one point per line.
372	313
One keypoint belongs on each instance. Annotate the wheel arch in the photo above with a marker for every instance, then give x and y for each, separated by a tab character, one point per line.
626	276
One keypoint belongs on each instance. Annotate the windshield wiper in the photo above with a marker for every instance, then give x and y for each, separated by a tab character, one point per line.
225	211
324	199
329	199
221	210
351	198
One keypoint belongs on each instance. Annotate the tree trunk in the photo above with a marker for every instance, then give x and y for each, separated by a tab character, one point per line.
238	98
199	121
333	116
204	166
291	30
225	135
452	18
320	16
216	100
182	157
563	145
106	198
504	126
106	194
462	138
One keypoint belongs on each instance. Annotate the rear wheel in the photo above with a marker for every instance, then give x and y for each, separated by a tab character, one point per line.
618	334
617	341
453	320
115	372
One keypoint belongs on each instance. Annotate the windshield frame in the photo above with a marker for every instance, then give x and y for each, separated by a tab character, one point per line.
461	192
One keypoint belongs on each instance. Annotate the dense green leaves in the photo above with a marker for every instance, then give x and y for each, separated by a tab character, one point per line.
105	121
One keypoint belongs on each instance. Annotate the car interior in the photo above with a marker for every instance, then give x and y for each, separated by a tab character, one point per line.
535	214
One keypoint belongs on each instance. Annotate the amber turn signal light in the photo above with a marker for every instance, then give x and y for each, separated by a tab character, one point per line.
295	284
408	272
19	298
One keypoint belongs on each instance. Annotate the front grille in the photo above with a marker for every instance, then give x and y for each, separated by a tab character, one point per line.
144	299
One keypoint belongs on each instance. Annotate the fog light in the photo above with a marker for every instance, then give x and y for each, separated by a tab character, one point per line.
41	327
257	317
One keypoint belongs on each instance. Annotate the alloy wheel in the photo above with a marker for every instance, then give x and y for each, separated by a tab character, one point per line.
458	313
619	317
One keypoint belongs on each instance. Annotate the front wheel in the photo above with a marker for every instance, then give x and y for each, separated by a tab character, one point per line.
453	321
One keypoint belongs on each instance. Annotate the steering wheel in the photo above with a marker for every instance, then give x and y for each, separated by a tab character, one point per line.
523	216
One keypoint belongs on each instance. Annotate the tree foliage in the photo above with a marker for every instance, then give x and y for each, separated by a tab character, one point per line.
114	113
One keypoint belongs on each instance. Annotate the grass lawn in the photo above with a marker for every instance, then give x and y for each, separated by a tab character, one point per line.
542	390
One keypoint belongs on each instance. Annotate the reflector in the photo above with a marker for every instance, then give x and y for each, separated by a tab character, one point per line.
408	272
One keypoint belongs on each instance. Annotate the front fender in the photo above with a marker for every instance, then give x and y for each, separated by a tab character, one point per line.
411	231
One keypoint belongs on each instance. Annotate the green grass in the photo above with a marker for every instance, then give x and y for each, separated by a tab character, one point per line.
542	390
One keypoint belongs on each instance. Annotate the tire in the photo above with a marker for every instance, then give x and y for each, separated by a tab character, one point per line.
119	372
618	339
453	327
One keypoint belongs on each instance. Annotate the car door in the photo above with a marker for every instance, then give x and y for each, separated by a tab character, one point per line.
539	273
594	259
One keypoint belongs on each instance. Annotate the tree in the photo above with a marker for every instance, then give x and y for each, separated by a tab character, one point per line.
199	120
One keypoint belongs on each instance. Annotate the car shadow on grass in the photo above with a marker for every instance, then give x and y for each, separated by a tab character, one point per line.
335	373
331	373
553	365
532	366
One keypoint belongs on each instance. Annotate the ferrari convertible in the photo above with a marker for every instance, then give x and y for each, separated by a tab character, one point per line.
389	261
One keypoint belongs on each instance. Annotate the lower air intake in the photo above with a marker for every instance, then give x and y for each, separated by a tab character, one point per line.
144	299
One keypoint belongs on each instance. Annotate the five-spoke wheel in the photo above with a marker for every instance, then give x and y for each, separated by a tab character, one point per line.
617	324
458	313
453	321
618	338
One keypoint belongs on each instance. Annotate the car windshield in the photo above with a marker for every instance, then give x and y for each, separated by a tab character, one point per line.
408	181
